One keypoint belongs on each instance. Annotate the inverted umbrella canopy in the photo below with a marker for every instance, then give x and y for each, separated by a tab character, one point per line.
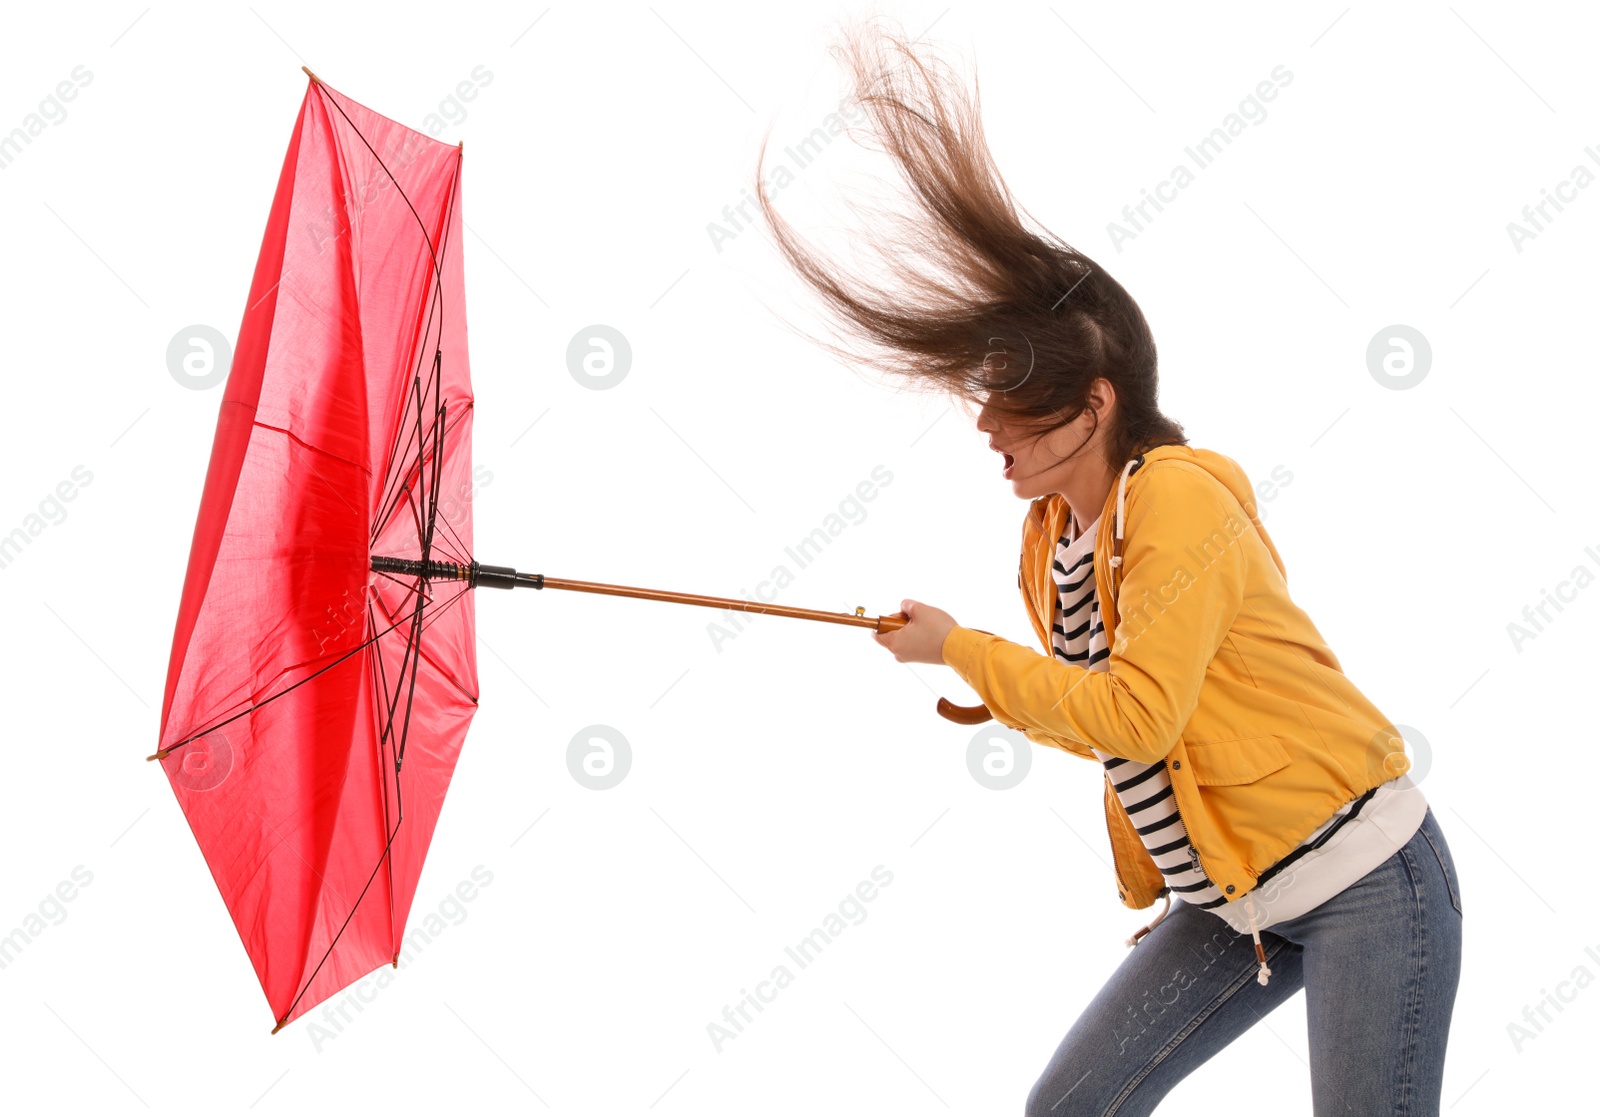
323	671
314	709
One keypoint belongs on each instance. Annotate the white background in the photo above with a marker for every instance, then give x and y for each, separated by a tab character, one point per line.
771	776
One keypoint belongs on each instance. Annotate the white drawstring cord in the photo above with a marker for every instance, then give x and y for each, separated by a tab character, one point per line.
1122	485
1134	938
1263	972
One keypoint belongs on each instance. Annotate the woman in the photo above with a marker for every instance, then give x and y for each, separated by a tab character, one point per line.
1249	784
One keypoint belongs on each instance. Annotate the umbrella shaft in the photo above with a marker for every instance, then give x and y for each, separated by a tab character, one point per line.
882	624
505	577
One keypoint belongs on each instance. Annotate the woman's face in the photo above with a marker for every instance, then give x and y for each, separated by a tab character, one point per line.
1033	463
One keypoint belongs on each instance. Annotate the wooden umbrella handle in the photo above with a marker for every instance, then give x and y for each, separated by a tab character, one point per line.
961	715
505	577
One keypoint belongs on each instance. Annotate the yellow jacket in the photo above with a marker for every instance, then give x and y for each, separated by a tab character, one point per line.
1212	666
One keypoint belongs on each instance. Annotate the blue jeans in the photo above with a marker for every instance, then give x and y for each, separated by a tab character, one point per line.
1379	964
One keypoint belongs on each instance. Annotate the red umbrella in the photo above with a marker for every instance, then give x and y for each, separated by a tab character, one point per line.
300	688
323	671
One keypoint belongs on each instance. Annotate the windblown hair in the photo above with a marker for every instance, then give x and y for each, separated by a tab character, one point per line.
999	313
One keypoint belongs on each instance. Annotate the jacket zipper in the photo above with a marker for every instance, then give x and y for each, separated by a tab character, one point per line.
1116	617
1189	834
1122	887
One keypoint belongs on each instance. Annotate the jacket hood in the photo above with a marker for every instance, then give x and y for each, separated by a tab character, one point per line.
1227	472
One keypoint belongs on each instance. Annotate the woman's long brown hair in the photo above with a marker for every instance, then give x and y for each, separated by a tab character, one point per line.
997	312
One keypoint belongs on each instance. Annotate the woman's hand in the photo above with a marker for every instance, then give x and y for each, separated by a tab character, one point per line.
921	638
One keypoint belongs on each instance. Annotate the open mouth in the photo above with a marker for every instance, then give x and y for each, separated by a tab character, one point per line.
1009	462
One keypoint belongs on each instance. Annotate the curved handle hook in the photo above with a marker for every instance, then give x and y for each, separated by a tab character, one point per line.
961	715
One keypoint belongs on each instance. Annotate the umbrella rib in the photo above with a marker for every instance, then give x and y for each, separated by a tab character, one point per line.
422	478
382	857
396	480
403	478
391	578
438	470
440	428
405	663
392	499
464	556
388	845
430	493
436	373
436	296
466	552
331	100
435	303
273	698
359	647
433	617
415	649
380	680
413	642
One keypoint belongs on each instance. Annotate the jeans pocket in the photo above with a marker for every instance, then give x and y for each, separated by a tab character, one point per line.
1441	850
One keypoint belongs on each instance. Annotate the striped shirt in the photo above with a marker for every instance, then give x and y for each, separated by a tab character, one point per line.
1145	790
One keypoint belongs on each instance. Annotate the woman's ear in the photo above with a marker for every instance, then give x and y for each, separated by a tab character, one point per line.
1102	395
